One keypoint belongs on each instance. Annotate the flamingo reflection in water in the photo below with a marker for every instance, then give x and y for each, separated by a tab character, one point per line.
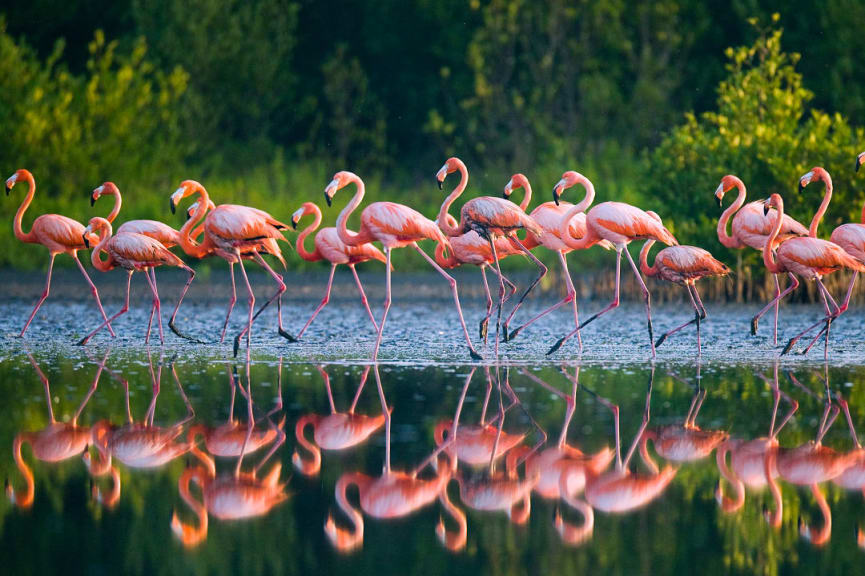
685	442
140	444
336	431
56	442
394	494
237	495
812	464
853	478
228	440
565	460
749	459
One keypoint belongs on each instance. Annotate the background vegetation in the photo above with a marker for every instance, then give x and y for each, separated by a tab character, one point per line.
263	100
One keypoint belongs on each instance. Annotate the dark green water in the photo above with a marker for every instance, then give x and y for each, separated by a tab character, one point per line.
682	530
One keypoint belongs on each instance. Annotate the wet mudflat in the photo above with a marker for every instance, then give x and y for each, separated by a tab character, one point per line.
159	489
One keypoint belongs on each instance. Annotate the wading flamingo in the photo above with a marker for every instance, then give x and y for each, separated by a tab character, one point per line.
59	234
329	247
233	233
134	253
395	226
471	248
336	431
682	265
165	234
749	460
56	442
617	223
491	218
394	494
808	257
548	216
751	227
236	495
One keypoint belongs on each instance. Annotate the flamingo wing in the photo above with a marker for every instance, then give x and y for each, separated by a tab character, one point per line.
689	263
816	255
753	226
234	222
65	232
159	231
851	237
394	224
141	250
627	223
497	215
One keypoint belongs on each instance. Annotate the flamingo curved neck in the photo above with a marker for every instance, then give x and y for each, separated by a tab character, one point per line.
453	541
185	238
350	238
565	226
118	201
188	534
725	239
644	260
95	258
527	199
351	538
19	215
25	499
728	504
776	516
448	260
768	253
824	205
313	256
445	222
313	465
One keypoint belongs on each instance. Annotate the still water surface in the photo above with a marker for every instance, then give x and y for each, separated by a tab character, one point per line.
139	470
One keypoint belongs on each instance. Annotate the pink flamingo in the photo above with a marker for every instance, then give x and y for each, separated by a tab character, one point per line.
548	216
336	431
163	233
804	256
471	248
395	226
329	247
133	252
233	233
491	218
751	227
61	235
682	265
617	223
749	460
56	442
853	478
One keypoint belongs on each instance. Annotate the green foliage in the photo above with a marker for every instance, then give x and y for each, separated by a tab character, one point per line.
762	131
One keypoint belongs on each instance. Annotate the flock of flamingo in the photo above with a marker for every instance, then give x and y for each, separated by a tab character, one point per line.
486	232
496	470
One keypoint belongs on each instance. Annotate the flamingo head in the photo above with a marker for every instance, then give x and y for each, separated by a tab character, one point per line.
340	180
569	178
451	165
106	188
860	159
298	214
773	201
186	188
654	215
728	182
816	173
95	226
19	175
516	182
191	210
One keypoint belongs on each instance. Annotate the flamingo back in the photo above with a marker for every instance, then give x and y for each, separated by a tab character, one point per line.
498	216
396	225
59	233
621	223
139	251
336	251
341	431
617	492
398	494
242	223
685	263
851	237
752	226
806	256
159	231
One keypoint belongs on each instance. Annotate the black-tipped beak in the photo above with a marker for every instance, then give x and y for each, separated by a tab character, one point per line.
9	188
86	240
720	202
188	215
92	201
294	223
172	205
556	196
328	199
440	183
801	187
765	208
858	164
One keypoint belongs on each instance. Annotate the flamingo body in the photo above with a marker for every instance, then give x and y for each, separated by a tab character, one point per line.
682	264
751	227
474	444
619	491
685	444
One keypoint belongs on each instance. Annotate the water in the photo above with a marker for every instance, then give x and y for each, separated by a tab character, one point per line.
78	522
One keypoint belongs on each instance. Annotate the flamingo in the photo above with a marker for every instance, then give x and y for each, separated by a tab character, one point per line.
683	265
59	234
749	460
491	218
329	247
395	226
230	439
804	256
163	233
471	248
548	216
133	252
853	478
336	431
617	223
751	227
56	442
233	233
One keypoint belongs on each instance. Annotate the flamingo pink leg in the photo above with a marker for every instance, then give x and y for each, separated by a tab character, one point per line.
570	297
363	297
698	317
384	409
777	306
322	304
456	296
827	319
648	299
42	297
843	308
794	283
123	310
279	292
542	271
231	302
177	306
251	303
501	293
610	306
512	289
93	291
157	306
152	312
387	301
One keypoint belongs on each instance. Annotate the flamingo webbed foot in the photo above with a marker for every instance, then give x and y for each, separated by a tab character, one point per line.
661	340
474	354
556	346
180	334
287	335
789	346
754	322
484	328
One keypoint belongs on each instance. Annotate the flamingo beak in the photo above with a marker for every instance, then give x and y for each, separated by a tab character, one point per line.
441	175
509	188
85	236
805	180
719	194
10	183
766	207
172	205
859	161
557	191
93	198
330	191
